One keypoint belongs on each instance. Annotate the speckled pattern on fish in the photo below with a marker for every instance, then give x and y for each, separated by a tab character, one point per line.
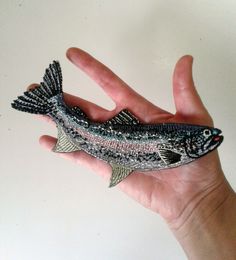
123	142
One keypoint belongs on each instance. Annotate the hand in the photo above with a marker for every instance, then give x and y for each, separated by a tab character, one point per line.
173	193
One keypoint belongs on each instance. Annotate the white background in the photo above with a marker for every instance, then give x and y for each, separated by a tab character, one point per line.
53	209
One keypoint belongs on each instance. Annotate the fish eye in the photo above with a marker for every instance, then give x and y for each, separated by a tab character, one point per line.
206	132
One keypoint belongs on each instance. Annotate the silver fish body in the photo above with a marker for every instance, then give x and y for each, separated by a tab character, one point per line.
122	141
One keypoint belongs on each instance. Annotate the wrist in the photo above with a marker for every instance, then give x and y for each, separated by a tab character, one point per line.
207	230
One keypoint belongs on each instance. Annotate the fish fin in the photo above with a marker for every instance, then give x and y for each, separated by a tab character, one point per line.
36	101
169	157
123	118
64	144
119	173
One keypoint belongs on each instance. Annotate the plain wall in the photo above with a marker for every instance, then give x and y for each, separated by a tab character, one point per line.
53	209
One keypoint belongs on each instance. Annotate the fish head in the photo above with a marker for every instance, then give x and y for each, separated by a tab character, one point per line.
202	140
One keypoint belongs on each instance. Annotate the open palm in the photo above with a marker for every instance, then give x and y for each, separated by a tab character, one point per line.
174	193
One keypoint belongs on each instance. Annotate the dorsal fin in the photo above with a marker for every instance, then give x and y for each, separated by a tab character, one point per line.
123	118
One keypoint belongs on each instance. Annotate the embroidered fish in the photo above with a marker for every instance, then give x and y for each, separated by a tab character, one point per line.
123	142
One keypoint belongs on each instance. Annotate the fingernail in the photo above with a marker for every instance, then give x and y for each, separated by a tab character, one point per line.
32	86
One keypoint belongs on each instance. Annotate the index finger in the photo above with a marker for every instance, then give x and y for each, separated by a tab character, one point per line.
123	95
116	88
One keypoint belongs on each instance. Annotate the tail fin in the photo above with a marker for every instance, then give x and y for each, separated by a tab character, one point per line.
36	101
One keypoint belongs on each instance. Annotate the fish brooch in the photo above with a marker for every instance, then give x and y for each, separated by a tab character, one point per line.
123	142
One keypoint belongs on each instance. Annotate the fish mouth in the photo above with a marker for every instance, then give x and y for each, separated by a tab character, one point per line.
215	140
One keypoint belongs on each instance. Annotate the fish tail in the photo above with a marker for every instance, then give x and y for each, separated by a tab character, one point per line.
37	100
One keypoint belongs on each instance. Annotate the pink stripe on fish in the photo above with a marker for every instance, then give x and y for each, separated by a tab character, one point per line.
119	146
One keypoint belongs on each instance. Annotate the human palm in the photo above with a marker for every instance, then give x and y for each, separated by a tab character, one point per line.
174	193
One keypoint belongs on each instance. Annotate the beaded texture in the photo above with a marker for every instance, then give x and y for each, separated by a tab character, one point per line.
123	142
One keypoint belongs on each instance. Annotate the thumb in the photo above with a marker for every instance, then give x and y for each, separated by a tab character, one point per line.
187	101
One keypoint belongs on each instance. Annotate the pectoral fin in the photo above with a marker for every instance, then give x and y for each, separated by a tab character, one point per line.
64	144
169	157
119	173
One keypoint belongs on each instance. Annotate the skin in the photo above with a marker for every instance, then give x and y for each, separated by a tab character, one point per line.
195	200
